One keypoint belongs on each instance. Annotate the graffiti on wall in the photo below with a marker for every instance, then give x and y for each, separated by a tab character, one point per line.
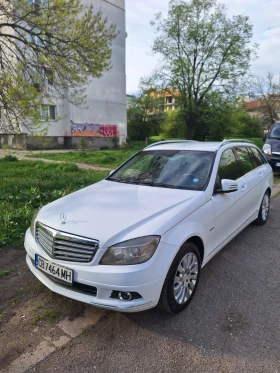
89	129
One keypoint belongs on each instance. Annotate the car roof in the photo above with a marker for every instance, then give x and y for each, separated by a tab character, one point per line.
211	146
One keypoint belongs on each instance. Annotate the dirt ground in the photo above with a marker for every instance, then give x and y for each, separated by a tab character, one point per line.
22	155
28	310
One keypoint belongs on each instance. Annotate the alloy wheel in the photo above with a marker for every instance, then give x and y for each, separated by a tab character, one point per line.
185	278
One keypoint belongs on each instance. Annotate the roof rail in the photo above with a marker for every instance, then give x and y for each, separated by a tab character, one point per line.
225	141
168	142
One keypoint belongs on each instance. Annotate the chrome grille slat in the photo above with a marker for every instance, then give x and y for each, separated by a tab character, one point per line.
47	246
63	246
71	249
45	235
46	241
70	260
47	250
67	243
69	254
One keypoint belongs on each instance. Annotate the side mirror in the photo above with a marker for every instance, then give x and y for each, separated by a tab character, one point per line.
264	136
228	186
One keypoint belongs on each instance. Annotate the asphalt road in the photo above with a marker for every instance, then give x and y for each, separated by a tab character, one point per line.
232	324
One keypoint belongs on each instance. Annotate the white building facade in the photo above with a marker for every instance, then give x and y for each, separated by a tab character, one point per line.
105	97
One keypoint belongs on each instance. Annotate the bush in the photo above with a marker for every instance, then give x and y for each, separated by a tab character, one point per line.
10	158
82	143
115	141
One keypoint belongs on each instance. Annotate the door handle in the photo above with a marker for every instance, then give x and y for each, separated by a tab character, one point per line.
244	187
261	174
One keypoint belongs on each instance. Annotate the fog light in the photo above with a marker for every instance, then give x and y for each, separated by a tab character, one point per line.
125	295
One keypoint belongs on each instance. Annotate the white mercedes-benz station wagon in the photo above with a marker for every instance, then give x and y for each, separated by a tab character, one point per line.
140	237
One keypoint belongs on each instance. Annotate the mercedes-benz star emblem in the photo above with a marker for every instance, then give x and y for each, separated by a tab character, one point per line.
63	217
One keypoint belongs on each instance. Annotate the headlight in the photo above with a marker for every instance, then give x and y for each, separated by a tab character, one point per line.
32	226
267	149
135	251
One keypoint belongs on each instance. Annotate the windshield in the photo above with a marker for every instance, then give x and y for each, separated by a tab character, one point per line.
181	169
275	132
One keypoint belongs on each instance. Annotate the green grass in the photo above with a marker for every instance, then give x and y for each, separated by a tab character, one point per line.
50	316
26	186
109	158
7	272
276	178
257	141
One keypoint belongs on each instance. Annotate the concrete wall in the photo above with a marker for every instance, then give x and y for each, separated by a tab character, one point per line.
53	142
91	142
12	141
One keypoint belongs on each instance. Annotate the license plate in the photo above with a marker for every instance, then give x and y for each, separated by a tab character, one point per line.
277	164
54	270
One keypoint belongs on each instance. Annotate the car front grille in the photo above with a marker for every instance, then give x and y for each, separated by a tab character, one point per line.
65	246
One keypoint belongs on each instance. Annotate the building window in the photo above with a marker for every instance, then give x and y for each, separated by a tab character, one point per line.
48	112
37	4
169	100
48	76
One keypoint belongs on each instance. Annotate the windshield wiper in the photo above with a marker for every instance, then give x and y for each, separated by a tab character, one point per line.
149	183
121	180
152	183
166	185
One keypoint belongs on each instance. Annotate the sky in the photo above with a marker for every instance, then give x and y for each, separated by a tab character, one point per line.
263	14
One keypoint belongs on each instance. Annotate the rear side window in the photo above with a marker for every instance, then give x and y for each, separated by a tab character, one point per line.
245	159
258	155
228	167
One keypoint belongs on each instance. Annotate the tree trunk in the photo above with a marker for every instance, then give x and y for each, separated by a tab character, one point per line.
190	120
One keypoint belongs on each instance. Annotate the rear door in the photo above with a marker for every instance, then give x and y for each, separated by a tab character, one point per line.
227	206
251	182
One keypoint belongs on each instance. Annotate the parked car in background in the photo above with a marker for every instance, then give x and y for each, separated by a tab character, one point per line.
140	237
271	147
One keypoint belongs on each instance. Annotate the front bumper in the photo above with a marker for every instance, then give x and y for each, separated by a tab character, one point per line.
145	279
274	161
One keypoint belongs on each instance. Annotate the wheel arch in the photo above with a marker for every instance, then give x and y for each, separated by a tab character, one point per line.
269	191
199	243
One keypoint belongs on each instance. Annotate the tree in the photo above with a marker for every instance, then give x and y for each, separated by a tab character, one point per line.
220	117
48	49
201	51
145	116
268	89
244	125
174	125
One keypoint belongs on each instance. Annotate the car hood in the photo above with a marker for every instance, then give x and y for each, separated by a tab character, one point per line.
275	144
112	212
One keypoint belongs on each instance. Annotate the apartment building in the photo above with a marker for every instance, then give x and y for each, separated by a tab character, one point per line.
104	112
169	96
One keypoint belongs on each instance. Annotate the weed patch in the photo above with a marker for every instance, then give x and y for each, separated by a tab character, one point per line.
7	272
10	158
50	316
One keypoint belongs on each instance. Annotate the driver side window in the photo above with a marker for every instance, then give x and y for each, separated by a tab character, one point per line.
228	168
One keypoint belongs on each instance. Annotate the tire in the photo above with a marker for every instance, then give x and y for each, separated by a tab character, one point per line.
264	209
185	268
